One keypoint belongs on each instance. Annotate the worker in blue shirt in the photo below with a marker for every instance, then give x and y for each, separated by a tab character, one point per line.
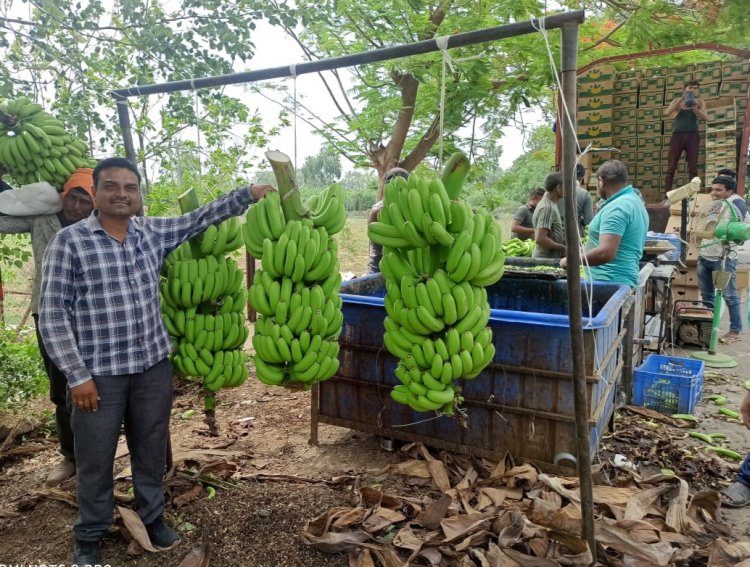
101	323
617	233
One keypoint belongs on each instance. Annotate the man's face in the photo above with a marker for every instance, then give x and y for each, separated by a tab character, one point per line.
77	205
692	89
719	191
534	201
117	193
559	191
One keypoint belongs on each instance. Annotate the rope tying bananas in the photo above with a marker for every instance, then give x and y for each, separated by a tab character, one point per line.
438	257
203	306
34	145
296	291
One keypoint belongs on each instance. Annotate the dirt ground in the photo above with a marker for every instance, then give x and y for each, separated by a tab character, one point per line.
258	521
280	480
263	430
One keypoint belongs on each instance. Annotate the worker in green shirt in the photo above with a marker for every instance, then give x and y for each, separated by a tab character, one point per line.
618	232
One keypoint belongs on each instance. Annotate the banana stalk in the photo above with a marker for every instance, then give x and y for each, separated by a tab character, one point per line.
454	174
286	183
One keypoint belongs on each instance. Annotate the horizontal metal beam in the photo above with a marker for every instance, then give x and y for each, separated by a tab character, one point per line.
385	54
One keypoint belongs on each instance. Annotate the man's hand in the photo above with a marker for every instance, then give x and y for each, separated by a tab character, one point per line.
563	263
85	396
258	191
745	410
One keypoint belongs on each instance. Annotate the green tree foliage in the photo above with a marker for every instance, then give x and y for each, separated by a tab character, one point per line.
616	27
21	374
321	169
69	55
14	250
390	115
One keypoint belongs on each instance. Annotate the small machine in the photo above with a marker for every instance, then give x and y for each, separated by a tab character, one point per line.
692	321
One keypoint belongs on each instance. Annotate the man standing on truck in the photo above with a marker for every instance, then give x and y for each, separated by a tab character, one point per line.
686	111
618	232
523	224
549	232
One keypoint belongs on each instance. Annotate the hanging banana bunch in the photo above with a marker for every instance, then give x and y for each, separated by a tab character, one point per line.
296	291
438	257
34	145
203	306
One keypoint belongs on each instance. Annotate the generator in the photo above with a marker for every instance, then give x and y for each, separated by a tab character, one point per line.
691	323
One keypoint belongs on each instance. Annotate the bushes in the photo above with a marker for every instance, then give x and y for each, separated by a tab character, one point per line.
22	376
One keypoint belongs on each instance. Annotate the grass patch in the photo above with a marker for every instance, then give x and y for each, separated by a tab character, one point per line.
22	376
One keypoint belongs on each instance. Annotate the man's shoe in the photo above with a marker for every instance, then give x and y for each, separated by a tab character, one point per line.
86	553
161	535
62	472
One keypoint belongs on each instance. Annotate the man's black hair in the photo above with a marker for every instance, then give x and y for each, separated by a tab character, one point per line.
693	84
727	181
580	170
115	162
538	192
552	181
613	171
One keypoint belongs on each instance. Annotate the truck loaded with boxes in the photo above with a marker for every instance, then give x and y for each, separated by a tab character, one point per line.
621	113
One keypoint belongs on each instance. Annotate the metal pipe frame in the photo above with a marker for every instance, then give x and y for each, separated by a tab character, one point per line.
569	63
388	53
568	23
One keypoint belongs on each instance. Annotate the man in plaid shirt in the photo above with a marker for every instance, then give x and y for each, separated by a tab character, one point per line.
101	324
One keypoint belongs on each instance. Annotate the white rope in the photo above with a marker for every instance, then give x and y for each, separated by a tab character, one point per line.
293	73
198	134
442	44
588	285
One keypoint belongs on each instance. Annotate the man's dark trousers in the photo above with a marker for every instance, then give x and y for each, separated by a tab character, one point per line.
143	402
689	142
58	394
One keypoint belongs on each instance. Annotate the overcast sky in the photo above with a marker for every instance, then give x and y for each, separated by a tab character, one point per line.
275	49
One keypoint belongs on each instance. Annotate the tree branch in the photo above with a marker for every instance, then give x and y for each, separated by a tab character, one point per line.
605	38
423	146
409	86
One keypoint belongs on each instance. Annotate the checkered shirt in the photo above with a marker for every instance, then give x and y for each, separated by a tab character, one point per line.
99	313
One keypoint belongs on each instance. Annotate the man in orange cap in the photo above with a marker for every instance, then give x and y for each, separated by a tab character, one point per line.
77	203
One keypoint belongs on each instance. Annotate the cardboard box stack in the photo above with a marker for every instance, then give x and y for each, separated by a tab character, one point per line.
625	110
720	141
685	281
594	112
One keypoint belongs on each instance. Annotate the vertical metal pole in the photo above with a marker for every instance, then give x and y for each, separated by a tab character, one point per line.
314	413
127	133
583	451
627	353
683	232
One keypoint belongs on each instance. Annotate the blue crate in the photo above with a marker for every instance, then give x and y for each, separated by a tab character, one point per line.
523	402
667	391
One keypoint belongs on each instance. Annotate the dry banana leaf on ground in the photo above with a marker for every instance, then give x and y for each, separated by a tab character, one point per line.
473	513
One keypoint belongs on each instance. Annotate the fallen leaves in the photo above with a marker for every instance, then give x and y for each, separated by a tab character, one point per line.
483	514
